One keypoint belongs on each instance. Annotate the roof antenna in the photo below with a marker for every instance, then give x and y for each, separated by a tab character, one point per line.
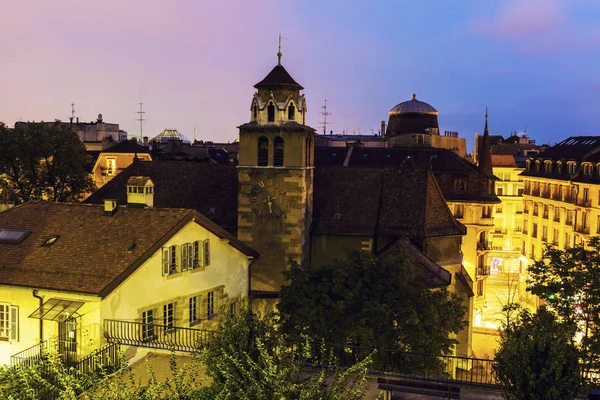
279	51
324	113
72	112
141	119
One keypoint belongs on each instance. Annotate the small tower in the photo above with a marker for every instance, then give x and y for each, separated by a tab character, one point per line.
484	154
275	174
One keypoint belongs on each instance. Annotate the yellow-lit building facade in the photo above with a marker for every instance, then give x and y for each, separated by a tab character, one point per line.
63	285
116	158
561	196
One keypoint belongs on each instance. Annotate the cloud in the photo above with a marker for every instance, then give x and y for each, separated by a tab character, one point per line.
539	26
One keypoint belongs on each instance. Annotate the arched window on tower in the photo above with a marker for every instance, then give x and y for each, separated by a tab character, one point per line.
291	111
271	113
278	153
254	113
263	151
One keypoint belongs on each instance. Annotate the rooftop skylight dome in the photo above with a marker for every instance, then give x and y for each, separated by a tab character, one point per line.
412	116
168	135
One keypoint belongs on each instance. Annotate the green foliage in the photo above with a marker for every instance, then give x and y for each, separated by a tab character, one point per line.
536	359
569	283
369	301
249	360
44	163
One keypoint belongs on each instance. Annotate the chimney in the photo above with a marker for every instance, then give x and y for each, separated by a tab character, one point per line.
140	192
110	207
382	128
77	119
145	140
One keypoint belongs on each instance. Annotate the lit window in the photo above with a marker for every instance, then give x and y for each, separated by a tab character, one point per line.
193	310
148	325
9	322
168	317
169	260
210	305
206	252
187	256
111	166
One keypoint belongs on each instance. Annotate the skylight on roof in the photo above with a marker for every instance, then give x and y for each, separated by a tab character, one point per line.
50	241
13	236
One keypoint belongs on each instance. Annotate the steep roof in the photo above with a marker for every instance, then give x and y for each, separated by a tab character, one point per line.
210	189
381	201
278	77
93	252
572	148
126	146
503	160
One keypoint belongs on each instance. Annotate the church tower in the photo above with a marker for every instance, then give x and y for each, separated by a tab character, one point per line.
275	175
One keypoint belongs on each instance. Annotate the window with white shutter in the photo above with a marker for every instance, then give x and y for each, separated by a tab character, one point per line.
9	322
206	252
184	257
14	324
166	257
196	255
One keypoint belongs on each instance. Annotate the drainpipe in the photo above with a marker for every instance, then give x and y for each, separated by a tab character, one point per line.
41	320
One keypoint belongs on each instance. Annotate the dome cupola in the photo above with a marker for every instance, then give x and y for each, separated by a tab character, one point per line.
412	116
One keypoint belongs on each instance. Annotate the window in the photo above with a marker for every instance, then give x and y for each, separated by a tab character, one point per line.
193	310
263	151
525	226
460	186
187	256
291	111
420	139
459	210
210	305
499	191
486	212
544	233
111	166
168	317
587	169
567	241
545	215
535	209
532	255
548	166
278	152
534	230
206	252
9	322
555	238
559	167
571	166
537	166
586	195
148	325
271	113
50	240
169	260
598	224
254	112
480	288
13	236
196	254
499	210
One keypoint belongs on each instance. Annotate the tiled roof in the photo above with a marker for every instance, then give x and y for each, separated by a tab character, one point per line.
210	189
278	77
381	201
572	148
503	160
93	252
126	146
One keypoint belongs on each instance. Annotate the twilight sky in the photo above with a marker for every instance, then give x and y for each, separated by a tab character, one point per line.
534	63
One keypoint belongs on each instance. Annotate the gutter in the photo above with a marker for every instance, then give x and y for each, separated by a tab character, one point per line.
34	293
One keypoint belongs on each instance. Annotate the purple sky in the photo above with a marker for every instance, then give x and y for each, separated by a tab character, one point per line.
534	63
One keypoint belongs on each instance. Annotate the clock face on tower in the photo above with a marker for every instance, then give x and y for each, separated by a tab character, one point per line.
268	200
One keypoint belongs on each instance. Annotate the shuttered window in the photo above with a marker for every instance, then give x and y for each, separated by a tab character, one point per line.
165	260
206	252
9	322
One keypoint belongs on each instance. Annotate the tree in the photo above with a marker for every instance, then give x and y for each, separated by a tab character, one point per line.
249	360
370	301
44	162
536	359
568	281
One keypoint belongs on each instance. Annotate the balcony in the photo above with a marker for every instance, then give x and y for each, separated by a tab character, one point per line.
518	229
535	213
567	198
582	229
545	215
556	196
156	336
556	218
545	194
483	271
535	192
499	231
483	246
569	222
584	202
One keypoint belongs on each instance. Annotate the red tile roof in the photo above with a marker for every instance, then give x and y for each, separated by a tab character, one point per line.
503	160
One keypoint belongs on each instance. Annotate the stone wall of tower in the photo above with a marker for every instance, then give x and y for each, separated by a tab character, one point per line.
274	217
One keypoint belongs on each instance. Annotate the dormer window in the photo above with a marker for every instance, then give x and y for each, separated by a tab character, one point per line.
291	111
559	167
537	166
528	165
587	169
548	166
460	186
571	166
254	112
270	113
111	166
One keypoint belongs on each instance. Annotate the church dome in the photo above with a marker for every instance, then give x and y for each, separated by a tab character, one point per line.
413	106
412	117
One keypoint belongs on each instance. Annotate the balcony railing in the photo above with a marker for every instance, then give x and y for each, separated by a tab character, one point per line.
535	192
156	336
545	194
556	196
30	356
567	198
584	203
483	271
582	229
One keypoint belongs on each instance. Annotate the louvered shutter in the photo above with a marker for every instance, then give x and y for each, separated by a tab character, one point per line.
165	260
196	259
14	323
206	251
184	257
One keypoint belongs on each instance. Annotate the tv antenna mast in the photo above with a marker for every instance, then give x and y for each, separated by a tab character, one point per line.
324	113
72	112
141	119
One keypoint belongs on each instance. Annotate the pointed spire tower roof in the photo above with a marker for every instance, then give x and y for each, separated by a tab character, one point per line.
485	155
278	78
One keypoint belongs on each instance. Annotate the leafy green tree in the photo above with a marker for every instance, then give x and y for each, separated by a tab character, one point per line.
568	281
44	162
536	359
249	360
369	301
